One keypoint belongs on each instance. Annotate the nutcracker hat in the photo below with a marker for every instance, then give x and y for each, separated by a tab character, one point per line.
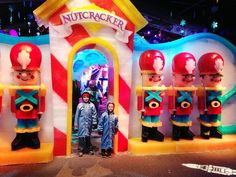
210	63
25	56
152	62
184	63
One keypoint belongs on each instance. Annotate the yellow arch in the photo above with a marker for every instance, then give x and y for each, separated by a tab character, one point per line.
82	43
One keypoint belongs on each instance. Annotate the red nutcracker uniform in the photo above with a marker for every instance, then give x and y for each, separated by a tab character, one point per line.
27	98
150	95
210	67
180	97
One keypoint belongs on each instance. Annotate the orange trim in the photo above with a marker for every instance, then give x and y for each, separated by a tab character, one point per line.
55	18
209	124
147	124
181	124
48	8
27	130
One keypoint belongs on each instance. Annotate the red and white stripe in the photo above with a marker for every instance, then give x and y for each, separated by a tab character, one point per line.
60	48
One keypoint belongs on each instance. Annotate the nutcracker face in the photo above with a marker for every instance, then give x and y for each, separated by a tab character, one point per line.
212	80
183	80
151	80
26	77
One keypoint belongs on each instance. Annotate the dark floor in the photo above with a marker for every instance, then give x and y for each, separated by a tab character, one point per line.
125	165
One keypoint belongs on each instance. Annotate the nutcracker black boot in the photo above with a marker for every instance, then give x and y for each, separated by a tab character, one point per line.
145	133
186	133
19	142
33	140
205	132
176	133
154	134
214	133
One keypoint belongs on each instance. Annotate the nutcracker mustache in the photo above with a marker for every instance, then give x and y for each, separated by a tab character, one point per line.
188	80
155	78
216	77
216	80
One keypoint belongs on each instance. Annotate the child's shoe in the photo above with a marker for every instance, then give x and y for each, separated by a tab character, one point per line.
103	153
80	154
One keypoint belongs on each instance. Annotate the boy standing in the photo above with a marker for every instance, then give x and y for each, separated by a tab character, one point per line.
86	115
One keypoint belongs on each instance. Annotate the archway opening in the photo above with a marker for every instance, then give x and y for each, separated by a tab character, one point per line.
90	73
106	49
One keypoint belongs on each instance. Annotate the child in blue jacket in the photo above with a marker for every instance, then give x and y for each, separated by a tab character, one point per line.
108	127
86	115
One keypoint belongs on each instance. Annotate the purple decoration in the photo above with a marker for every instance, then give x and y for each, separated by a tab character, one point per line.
3	32
13	32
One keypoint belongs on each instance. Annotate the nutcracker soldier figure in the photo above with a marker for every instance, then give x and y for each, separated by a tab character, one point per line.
180	96
27	97
150	94
210	66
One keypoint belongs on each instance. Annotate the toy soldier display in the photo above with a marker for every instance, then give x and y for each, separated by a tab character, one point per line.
180	96
210	67
27	97
150	94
